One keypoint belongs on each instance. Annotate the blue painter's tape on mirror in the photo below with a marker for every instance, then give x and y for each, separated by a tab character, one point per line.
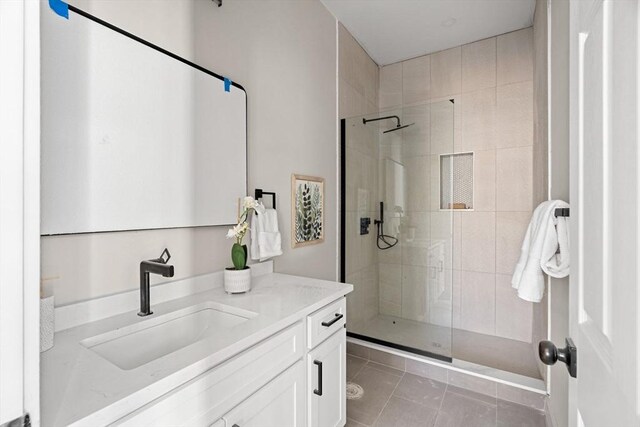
60	8
227	85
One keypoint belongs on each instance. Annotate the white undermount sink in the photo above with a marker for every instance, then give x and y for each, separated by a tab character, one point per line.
143	342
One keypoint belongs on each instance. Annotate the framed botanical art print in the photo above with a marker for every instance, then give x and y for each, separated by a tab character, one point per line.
307	210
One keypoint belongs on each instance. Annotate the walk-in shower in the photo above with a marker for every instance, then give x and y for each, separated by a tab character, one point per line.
430	232
402	269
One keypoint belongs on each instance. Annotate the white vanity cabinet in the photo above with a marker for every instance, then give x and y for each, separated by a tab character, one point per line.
326	376
289	379
326	366
207	398
276	404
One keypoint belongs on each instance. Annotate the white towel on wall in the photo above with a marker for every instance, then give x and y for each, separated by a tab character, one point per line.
266	241
545	249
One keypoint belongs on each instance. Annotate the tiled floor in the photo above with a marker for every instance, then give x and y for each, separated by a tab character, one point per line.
394	398
486	350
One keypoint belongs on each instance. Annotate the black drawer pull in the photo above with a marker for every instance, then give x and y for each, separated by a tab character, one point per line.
318	391
332	321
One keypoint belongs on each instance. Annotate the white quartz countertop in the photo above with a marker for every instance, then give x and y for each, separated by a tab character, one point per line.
79	386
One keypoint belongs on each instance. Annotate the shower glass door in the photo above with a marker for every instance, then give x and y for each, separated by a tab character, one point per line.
398	199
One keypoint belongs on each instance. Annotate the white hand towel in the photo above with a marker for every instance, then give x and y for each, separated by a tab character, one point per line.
545	249
266	241
254	250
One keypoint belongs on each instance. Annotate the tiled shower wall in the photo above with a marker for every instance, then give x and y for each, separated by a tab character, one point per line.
491	84
358	95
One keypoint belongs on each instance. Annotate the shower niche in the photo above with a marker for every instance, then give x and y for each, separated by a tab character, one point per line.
456	181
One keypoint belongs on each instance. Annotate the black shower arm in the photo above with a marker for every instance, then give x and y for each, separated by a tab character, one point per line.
365	121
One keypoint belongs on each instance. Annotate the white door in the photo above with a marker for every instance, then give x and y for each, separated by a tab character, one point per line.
327	382
19	209
604	215
280	403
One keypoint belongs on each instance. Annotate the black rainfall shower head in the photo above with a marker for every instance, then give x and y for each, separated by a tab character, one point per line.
397	128
398	125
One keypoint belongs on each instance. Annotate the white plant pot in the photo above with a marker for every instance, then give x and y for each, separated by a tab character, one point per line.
46	323
237	281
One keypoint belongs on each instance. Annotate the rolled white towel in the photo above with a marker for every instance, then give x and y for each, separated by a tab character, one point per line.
545	249
557	264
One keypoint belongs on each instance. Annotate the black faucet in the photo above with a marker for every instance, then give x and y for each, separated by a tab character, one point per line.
155	266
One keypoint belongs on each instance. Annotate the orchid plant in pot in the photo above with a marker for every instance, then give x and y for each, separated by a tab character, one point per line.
237	279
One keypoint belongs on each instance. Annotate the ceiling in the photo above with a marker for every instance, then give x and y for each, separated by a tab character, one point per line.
395	30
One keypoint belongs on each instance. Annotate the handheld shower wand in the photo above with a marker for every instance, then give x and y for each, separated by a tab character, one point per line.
388	241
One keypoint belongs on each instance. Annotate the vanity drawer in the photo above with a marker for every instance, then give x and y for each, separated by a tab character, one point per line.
324	322
205	399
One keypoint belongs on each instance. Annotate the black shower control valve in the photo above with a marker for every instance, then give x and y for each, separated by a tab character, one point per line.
364	225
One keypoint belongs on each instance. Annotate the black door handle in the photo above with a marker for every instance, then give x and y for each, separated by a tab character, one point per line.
318	391
550	354
332	321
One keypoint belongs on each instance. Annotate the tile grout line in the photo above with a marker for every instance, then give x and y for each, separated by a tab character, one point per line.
466	396
495	210
371	362
495	194
446	387
495	260
387	402
361	367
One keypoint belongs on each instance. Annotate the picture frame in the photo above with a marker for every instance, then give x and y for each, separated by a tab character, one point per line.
307	210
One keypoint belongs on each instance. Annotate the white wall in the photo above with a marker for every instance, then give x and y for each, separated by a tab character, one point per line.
551	153
284	54
540	156
559	189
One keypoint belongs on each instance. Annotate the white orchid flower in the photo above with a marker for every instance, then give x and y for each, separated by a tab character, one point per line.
238	231
232	232
249	203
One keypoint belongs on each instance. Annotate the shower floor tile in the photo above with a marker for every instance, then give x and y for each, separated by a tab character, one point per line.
423	336
392	398
487	350
495	352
